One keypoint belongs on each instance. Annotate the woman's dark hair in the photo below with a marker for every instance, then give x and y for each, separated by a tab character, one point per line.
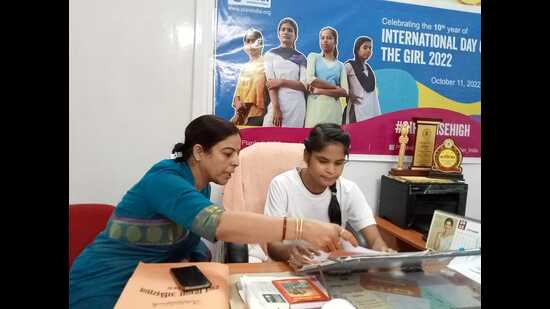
207	131
293	24
322	135
450	220
335	35
358	42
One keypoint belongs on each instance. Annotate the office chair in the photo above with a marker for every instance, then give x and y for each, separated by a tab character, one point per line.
85	222
247	188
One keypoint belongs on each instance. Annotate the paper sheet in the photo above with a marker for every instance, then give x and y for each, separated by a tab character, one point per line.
469	266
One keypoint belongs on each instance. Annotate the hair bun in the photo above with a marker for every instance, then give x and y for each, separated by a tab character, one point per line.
179	147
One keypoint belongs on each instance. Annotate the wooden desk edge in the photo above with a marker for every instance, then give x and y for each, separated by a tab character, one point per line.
411	237
268	267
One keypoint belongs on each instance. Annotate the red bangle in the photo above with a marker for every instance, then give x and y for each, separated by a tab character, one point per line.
284	228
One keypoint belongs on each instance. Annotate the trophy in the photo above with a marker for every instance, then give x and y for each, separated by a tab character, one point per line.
426	130
403	140
399	170
447	160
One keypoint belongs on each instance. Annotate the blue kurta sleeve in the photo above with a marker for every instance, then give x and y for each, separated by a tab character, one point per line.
175	198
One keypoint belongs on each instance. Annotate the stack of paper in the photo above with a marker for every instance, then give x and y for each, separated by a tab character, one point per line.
349	252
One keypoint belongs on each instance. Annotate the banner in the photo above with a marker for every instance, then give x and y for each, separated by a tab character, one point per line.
423	62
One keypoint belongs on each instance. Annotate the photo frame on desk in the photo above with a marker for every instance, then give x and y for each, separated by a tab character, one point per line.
450	231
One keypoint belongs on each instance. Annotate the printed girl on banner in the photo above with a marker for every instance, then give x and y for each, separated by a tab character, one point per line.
327	81
285	70
250	94
363	97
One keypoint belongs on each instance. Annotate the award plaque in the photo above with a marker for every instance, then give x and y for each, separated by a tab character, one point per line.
447	161
448	157
399	169
426	130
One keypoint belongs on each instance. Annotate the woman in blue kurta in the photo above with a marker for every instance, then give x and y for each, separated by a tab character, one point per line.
163	216
327	82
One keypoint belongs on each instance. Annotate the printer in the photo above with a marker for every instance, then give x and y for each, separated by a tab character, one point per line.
411	205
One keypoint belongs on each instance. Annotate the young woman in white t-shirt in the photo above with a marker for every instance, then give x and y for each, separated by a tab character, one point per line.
319	192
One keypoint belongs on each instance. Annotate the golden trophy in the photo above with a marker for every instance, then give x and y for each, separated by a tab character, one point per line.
421	165
447	160
403	140
399	170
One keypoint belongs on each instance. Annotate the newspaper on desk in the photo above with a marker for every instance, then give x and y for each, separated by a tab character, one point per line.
351	258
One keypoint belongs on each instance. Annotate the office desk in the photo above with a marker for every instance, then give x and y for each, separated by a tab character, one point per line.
400	239
269	267
238	269
438	285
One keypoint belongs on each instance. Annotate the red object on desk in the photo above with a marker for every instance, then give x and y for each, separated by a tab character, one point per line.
85	222
298	290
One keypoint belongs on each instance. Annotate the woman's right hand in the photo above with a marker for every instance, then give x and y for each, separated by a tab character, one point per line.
277	116
326	236
301	254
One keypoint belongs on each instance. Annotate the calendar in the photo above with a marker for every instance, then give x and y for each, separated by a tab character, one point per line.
450	231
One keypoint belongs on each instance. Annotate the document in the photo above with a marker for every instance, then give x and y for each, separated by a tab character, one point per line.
152	286
469	266
350	253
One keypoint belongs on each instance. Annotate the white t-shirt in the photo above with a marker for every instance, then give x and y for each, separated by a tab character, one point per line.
288	196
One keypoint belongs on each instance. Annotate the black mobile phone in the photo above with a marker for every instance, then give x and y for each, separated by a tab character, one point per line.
190	278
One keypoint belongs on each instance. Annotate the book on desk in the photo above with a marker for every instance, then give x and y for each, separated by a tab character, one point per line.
295	292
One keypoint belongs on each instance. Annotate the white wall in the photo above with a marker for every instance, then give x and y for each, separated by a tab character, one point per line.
367	175
130	88
139	71
366	171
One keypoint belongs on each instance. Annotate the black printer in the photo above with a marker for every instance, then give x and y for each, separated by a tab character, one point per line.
412	204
